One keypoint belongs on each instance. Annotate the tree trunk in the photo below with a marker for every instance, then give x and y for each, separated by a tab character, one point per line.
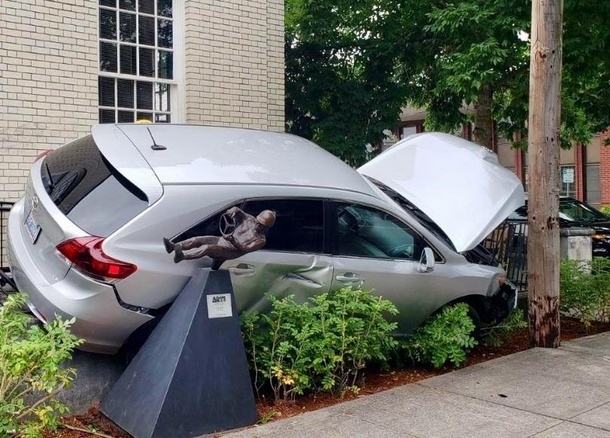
483	122
543	169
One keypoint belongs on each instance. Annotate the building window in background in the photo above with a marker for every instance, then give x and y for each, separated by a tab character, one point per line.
592	184
136	61
568	181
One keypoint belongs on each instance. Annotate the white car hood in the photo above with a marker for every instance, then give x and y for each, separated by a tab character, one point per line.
460	185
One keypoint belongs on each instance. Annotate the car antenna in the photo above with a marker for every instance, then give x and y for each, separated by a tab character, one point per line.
155	146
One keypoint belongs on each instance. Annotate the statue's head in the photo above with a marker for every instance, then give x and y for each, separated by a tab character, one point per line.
266	218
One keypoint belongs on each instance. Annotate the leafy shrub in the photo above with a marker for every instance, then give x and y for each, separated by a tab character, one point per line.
444	337
585	290
499	334
30	370
319	345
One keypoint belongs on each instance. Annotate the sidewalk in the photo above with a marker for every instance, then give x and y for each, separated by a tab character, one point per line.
541	393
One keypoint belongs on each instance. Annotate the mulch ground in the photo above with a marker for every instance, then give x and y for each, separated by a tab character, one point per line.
94	423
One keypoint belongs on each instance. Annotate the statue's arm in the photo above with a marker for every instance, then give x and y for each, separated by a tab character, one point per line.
251	245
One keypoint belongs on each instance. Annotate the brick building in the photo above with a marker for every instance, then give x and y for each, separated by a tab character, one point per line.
585	169
66	65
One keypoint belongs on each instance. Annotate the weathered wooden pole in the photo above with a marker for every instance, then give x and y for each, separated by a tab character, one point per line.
543	169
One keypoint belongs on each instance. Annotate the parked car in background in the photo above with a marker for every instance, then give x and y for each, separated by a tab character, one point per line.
574	213
86	239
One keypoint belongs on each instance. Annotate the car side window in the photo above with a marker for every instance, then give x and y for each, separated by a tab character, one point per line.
208	227
299	223
368	232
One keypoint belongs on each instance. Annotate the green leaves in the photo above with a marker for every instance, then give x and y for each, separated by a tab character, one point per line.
498	334
31	371
445	337
585	290
341	87
351	66
320	345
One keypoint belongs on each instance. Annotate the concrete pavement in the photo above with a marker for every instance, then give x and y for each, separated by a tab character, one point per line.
540	393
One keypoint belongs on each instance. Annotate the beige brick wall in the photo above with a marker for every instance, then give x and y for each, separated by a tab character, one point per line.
233	73
234	70
48	81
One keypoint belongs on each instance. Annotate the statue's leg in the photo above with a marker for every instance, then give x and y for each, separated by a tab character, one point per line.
222	252
194	242
196	253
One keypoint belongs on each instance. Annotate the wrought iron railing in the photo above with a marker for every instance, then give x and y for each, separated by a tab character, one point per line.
508	243
5	207
5	278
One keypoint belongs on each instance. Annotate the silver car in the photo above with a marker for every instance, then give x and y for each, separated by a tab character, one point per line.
86	240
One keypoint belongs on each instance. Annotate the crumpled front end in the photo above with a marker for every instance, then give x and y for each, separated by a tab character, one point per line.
501	303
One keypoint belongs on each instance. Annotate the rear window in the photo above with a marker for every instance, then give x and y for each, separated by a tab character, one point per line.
88	190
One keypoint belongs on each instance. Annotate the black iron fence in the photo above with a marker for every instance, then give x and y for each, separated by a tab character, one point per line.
508	243
5	207
5	278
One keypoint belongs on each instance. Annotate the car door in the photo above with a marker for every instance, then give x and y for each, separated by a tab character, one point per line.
376	250
292	260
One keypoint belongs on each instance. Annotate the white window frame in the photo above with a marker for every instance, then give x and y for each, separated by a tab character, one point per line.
176	111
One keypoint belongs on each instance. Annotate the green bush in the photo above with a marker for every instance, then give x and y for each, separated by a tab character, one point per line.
444	337
585	290
320	345
499	334
30	370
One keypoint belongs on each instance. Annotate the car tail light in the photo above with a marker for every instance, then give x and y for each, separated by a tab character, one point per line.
87	255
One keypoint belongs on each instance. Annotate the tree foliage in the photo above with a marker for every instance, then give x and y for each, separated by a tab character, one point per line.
351	65
341	68
471	53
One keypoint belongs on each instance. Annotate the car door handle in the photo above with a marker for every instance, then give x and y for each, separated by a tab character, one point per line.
348	276
242	269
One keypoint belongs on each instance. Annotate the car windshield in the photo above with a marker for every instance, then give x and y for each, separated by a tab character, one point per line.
422	217
575	211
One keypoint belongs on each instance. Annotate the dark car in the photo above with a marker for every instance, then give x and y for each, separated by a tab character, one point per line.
574	213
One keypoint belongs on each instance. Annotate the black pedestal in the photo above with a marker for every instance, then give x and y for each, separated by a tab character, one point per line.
191	376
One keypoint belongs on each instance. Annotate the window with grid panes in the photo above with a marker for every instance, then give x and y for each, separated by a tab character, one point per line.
136	57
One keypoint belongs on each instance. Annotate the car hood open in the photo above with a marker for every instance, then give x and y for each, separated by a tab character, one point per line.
460	185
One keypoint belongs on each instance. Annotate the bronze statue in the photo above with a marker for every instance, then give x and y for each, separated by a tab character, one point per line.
241	233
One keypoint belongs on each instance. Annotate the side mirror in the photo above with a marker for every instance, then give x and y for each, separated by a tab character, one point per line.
426	261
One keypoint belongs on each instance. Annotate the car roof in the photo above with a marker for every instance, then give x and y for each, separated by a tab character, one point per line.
194	154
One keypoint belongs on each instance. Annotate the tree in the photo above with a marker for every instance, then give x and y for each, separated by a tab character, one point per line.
341	88
470	53
351	66
476	52
586	70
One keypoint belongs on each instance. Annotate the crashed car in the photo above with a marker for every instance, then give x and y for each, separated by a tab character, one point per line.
86	240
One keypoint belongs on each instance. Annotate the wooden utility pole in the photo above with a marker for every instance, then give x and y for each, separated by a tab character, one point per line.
543	168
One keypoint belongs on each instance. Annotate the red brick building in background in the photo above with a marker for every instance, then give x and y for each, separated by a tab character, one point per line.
585	169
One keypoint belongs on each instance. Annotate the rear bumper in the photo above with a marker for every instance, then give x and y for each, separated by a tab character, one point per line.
100	320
